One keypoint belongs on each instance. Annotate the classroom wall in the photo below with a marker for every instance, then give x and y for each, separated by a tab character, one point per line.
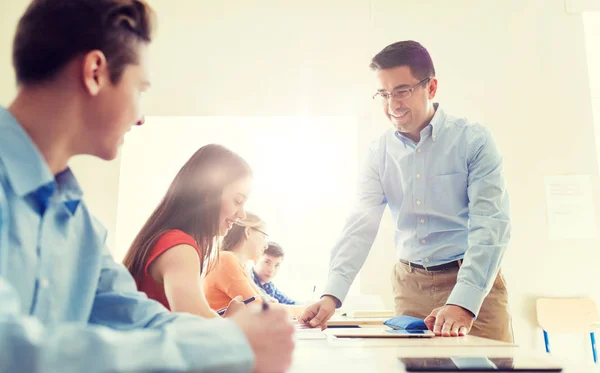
517	66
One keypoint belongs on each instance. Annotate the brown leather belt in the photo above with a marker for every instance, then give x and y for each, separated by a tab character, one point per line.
441	267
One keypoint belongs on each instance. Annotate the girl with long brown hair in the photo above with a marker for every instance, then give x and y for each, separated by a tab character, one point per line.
173	247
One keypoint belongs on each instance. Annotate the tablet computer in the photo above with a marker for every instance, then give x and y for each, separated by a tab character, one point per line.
479	364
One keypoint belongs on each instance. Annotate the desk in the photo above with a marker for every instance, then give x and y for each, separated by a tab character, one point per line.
352	321
363	356
438	342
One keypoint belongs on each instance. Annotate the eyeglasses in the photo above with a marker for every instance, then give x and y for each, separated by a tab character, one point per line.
401	93
259	231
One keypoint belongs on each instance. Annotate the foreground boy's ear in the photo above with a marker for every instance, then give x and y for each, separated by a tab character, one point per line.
94	71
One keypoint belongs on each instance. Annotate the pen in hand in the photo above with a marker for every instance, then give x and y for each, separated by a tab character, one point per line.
222	311
265	303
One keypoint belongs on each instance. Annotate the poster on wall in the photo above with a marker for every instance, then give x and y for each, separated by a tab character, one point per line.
570	207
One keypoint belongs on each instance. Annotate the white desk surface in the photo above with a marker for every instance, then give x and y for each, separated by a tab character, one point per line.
334	355
355	321
467	341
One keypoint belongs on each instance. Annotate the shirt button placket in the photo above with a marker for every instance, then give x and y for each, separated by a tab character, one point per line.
419	193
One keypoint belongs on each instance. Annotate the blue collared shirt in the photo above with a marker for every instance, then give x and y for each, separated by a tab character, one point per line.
271	290
448	201
65	305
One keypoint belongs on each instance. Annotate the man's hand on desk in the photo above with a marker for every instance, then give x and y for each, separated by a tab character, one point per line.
270	334
318	313
450	321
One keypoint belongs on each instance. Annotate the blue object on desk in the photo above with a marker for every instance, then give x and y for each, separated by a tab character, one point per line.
405	323
406	331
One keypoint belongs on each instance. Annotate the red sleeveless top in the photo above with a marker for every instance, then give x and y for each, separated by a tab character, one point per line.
168	240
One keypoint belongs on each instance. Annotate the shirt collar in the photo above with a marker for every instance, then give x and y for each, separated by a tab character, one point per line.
437	122
28	172
432	129
70	190
256	280
254	277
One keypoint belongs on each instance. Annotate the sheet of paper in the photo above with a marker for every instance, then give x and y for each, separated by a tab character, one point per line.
570	207
304	332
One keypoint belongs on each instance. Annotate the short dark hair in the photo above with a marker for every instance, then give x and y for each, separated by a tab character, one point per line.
405	53
274	250
52	32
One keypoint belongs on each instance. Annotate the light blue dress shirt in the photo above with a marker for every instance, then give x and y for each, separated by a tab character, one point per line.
448	200
65	305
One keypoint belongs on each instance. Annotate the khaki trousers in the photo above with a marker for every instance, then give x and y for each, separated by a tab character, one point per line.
417	292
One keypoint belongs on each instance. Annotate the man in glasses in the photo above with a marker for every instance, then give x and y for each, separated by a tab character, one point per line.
443	179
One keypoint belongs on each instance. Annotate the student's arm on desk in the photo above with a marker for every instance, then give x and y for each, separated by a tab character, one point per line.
181	341
178	270
158	339
351	250
280	297
260	291
233	281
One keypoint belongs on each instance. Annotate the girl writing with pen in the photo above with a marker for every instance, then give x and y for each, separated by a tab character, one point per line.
227	277
175	244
